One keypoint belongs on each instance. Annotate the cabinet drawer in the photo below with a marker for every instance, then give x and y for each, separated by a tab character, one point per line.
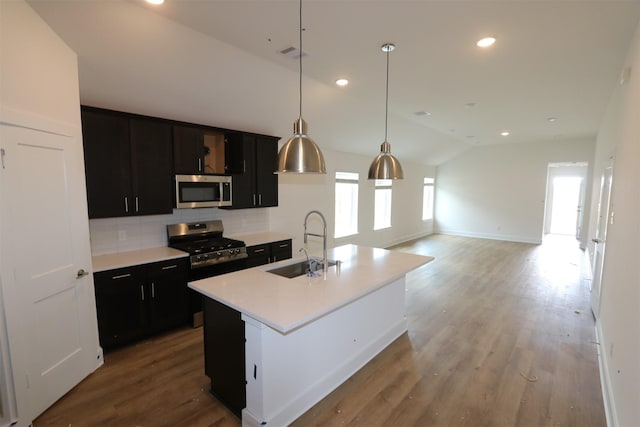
169	267
124	275
281	250
258	255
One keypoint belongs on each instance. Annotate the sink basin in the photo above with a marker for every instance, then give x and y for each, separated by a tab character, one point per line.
298	269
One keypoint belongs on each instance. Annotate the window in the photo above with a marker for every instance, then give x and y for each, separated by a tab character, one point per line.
382	210
427	199
346	204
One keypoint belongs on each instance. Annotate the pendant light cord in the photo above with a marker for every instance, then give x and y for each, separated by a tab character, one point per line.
386	105
300	88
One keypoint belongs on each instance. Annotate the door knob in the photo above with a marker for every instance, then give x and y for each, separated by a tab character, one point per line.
81	273
596	241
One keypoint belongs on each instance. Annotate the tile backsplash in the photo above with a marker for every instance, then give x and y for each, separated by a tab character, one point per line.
123	234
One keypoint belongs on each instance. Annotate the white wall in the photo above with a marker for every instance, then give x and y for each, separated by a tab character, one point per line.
498	191
298	194
39	73
618	322
39	90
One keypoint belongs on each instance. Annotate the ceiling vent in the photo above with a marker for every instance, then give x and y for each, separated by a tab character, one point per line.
292	52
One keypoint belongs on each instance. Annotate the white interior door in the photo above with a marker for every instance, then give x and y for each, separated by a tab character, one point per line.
601	238
49	300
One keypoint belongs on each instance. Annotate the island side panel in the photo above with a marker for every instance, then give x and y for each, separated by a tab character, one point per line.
224	349
289	373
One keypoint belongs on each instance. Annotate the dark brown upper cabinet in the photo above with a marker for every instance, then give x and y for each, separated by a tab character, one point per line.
128	164
255	156
199	150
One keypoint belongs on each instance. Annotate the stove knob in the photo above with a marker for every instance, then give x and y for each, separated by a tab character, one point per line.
219	253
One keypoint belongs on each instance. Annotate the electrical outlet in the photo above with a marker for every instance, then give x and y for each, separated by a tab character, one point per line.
122	235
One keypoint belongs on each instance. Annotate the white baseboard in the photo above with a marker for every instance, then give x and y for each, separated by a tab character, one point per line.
490	236
605	381
406	238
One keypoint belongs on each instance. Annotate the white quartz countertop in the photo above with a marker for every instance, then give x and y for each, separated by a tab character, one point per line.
285	304
131	258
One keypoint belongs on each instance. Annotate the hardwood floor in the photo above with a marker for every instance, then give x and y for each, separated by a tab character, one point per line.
500	334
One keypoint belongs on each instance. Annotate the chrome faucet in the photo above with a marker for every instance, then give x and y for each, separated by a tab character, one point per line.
325	264
310	272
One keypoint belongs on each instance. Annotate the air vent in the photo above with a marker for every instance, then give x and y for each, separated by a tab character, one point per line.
292	52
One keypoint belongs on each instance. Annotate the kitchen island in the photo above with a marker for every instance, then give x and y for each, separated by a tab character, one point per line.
304	336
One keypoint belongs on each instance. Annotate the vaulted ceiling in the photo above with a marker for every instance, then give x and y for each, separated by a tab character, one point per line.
548	76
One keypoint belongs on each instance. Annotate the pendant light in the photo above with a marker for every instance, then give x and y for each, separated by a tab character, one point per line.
300	154
385	165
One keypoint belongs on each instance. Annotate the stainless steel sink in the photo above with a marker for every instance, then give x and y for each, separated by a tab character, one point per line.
299	268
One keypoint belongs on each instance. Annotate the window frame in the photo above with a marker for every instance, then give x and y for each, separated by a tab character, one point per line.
428	183
382	188
346	178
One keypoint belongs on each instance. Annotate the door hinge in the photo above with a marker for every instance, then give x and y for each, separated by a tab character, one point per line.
2	154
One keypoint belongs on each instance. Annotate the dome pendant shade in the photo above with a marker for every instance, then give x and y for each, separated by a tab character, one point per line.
300	154
385	165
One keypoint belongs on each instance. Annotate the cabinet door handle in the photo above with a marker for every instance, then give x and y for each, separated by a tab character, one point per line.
254	199
142	292
274	258
126	204
199	164
260	199
137	210
169	267
244	166
258	251
121	276
284	245
153	290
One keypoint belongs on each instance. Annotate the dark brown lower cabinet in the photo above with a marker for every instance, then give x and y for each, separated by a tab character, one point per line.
136	302
269	252
224	361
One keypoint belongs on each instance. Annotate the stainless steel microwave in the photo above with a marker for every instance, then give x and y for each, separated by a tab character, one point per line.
202	191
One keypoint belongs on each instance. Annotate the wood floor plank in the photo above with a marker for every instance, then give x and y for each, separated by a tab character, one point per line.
499	334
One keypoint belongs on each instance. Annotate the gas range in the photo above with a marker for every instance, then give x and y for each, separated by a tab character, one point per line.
205	244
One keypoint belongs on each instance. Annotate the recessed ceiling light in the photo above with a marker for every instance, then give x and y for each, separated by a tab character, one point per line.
504	133
342	82
422	113
486	42
552	119
155	1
